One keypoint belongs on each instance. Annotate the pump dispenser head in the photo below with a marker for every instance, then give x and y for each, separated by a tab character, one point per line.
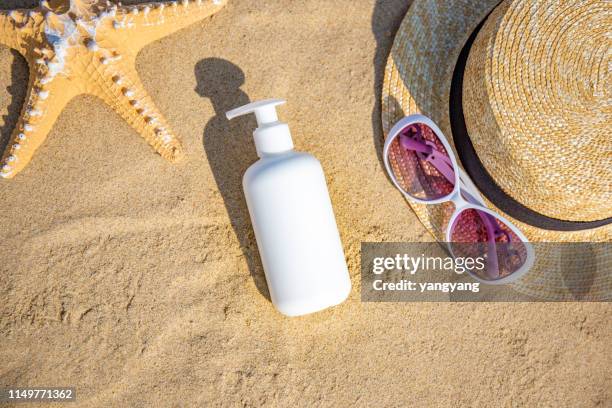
271	135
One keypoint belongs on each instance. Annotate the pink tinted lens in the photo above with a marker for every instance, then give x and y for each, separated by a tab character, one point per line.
478	234
420	164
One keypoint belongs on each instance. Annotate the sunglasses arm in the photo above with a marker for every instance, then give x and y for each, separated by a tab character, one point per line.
430	154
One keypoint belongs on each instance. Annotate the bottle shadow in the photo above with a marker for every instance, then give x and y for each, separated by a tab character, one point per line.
230	151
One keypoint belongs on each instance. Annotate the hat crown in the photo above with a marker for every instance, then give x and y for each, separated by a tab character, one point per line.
537	95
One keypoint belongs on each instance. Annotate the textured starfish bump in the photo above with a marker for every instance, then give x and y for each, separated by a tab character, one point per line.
78	47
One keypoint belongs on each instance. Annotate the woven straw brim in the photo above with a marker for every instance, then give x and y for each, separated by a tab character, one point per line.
418	79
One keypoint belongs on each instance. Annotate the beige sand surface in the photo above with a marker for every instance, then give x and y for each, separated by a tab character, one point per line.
139	283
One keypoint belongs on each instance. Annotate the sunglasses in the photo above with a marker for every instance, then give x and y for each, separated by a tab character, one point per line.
422	165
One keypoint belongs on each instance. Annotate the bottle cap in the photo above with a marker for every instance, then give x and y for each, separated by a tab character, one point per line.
271	135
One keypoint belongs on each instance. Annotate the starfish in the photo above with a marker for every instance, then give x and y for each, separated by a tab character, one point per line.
78	47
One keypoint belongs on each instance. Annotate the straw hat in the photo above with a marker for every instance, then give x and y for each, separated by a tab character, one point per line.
523	89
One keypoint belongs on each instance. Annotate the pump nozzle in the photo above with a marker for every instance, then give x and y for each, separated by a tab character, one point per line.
271	135
265	111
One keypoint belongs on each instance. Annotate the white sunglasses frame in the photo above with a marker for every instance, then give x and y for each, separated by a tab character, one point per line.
462	181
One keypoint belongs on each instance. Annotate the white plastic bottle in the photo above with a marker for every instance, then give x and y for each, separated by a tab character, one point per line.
293	219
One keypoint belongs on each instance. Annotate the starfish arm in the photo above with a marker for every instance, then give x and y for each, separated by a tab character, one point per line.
145	23
120	87
42	107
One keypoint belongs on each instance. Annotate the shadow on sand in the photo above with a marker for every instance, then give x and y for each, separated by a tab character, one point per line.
230	151
17	89
386	19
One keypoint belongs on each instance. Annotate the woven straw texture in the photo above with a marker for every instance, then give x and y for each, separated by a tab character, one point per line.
418	80
537	95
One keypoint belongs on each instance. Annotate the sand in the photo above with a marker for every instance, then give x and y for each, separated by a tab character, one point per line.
138	282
